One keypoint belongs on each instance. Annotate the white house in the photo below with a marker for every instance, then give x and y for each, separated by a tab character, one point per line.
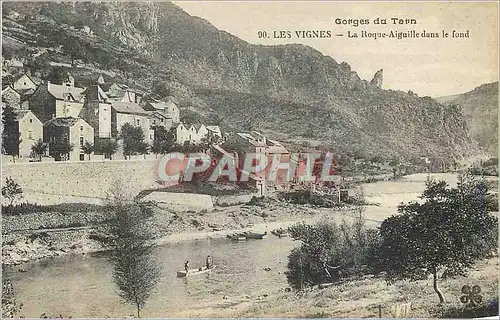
133	114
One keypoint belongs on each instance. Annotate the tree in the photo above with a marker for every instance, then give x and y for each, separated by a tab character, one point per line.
143	148
38	150
133	139
61	150
163	89
11	190
73	48
56	75
164	141
209	140
107	147
394	163
88	148
445	233
10	134
157	147
129	238
10	306
329	251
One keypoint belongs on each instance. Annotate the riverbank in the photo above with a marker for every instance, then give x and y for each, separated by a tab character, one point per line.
37	236
359	298
24	245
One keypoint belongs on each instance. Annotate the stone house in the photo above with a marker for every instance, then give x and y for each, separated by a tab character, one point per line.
240	144
96	111
133	114
160	119
24	82
68	80
168	108
193	134
100	80
61	131
202	132
122	93
55	101
30	131
216	131
11	97
182	134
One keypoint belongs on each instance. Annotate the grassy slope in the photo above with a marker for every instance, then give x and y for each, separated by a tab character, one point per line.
361	298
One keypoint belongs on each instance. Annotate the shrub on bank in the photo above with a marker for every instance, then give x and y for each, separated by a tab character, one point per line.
309	197
29	208
330	252
485	309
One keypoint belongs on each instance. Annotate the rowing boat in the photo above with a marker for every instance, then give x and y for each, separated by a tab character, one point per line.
193	272
254	235
236	237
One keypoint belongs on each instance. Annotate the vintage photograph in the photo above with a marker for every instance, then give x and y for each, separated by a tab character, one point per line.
249	159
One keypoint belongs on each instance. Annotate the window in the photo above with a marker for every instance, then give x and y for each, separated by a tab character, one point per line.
24	82
30	135
81	141
81	128
31	120
138	122
161	119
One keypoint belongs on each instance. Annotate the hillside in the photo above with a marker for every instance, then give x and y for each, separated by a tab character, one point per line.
291	92
480	109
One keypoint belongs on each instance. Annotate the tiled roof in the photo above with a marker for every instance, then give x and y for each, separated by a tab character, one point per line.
95	92
128	107
214	128
159	114
61	92
35	80
159	105
62	122
20	114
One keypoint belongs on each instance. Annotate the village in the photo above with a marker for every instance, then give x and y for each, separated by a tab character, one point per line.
51	122
62	121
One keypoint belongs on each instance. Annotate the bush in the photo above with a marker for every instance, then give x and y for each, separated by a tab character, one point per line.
330	252
309	197
490	308
29	208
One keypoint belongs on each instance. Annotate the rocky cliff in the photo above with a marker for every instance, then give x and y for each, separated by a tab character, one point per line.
378	78
290	91
480	109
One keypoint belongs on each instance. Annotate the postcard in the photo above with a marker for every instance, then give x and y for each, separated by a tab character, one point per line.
249	159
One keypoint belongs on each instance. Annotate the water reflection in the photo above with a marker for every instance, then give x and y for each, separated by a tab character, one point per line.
81	285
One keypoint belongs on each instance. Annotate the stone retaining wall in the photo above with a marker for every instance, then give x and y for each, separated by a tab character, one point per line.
181	201
49	220
232	200
90	179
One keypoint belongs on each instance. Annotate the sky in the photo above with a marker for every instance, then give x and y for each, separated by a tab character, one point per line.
427	66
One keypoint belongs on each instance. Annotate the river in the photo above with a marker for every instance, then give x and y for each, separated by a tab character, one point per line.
81	285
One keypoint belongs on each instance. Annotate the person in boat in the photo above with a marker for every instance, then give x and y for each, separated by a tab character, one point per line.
186	266
209	262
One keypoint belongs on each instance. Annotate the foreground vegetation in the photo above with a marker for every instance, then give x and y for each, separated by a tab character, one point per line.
360	297
442	236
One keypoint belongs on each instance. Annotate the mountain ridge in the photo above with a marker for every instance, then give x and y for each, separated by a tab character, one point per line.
480	109
212	72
